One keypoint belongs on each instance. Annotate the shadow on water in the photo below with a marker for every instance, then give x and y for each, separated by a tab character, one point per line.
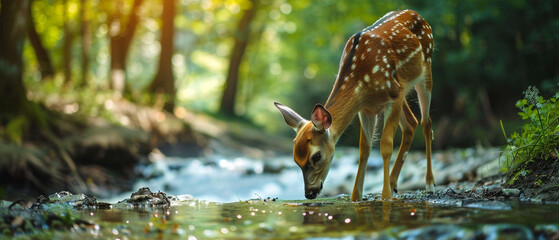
330	218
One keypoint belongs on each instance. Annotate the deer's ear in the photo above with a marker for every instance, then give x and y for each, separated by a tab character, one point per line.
292	119
321	118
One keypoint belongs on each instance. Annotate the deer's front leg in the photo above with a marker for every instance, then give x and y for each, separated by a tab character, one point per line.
364	151
387	143
367	121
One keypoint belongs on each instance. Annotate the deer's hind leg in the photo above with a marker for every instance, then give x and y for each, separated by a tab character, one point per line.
423	90
408	124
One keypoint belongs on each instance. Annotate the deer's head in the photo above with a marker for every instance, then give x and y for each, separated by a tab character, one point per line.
313	148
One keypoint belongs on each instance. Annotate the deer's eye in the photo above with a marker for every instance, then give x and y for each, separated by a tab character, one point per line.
316	157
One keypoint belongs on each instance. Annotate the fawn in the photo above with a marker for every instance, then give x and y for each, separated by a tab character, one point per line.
378	68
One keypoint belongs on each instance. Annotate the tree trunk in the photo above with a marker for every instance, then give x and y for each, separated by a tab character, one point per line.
163	85
13	29
86	41
120	38
43	58
67	48
241	41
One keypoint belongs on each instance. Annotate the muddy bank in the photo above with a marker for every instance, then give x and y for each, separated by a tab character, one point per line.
539	180
90	155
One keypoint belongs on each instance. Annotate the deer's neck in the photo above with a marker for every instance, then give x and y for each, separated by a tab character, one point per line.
342	111
342	103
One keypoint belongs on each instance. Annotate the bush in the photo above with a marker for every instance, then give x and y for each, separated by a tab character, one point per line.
538	140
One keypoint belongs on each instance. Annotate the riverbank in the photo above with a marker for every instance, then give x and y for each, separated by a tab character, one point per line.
91	155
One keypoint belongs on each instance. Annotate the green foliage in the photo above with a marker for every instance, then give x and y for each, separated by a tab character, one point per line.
538	140
14	129
295	49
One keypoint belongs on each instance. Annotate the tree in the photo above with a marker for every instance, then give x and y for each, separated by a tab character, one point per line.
13	29
45	64
67	46
121	34
86	41
163	84
241	41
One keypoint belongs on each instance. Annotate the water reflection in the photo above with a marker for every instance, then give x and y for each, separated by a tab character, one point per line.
327	218
368	215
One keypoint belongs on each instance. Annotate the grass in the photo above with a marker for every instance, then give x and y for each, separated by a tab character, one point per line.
538	138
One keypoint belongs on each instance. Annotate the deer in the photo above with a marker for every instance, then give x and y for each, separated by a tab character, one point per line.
379	66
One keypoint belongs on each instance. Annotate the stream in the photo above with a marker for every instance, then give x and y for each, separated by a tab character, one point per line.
226	196
230	177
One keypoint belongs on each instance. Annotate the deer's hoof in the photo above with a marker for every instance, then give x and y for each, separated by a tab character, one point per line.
430	188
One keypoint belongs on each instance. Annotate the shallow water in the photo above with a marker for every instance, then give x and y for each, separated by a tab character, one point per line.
326	218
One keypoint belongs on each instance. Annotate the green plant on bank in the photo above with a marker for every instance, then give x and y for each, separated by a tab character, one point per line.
538	139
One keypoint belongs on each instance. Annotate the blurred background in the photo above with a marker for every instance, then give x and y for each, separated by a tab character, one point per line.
486	54
231	59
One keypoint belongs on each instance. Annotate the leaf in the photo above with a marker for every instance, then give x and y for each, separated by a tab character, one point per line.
15	129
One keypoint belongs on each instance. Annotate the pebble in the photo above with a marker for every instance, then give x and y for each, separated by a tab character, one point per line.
511	192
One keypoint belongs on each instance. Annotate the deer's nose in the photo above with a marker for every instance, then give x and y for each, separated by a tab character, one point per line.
311	193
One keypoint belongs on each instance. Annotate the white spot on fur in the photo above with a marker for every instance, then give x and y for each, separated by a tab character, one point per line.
357	90
401	63
375	69
388	84
367	78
